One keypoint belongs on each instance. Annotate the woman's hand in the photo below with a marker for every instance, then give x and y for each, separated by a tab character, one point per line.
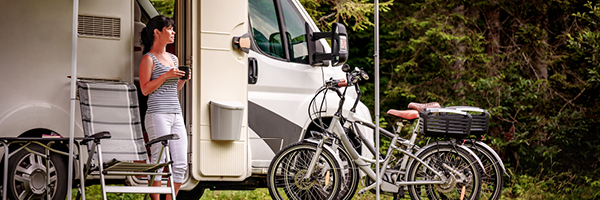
174	73
189	74
182	82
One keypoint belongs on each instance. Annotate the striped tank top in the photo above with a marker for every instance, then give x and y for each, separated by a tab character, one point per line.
164	99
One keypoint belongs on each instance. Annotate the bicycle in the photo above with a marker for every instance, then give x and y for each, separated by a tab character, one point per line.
439	170
493	179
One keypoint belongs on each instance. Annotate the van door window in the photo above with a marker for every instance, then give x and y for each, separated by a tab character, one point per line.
296	33
265	29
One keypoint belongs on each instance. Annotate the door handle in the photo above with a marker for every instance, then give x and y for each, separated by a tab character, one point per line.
252	70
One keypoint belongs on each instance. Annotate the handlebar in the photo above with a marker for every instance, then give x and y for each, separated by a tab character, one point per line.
353	78
336	83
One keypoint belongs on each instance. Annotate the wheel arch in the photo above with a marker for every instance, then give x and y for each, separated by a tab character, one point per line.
33	116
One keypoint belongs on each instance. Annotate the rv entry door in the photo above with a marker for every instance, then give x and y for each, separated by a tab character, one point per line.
219	146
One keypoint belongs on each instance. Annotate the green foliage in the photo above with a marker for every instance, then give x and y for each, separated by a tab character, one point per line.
534	65
355	13
565	185
164	7
586	41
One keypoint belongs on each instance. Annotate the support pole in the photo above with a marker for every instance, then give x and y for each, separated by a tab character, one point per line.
73	97
377	167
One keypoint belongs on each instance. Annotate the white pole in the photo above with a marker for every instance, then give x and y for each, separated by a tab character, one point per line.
73	96
377	167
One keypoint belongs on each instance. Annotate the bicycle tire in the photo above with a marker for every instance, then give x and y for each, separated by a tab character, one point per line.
468	185
351	175
493	179
290	164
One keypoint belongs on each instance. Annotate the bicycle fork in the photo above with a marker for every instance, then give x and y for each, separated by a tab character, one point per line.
313	162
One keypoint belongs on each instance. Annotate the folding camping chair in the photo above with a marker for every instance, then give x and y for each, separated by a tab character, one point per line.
110	114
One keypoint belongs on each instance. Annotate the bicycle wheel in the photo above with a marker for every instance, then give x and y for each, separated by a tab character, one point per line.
492	180
350	174
285	178
460	171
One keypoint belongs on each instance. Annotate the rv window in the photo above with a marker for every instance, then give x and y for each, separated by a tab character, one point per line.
265	29
296	31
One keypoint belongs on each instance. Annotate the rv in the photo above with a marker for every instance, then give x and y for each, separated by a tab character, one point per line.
273	80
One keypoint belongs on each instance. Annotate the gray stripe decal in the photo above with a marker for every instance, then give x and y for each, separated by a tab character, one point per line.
268	124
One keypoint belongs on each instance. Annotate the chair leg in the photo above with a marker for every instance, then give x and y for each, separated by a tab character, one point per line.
170	167
151	182
81	173
102	182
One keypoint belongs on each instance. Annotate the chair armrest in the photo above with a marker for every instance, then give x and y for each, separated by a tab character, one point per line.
97	136
163	138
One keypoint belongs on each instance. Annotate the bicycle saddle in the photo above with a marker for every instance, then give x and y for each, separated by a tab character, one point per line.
421	106
404	114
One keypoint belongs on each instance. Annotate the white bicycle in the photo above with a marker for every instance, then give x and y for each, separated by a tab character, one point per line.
326	165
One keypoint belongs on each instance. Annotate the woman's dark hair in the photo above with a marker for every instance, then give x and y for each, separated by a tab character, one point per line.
158	22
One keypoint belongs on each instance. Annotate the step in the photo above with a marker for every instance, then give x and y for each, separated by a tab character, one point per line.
136	189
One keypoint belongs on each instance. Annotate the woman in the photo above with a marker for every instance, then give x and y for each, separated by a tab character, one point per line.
160	81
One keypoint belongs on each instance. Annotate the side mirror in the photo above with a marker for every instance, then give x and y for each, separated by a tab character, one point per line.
339	45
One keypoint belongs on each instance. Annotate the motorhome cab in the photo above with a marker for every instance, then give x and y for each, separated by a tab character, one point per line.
273	81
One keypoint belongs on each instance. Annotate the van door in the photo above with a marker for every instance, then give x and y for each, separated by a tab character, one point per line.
283	80
219	74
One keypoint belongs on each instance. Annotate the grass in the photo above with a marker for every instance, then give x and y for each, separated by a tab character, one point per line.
94	193
516	188
559	186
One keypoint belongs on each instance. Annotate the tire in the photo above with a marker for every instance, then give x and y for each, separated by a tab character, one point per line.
350	173
194	194
27	175
464	174
493	179
290	164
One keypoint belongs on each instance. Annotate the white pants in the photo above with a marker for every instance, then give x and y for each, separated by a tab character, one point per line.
158	125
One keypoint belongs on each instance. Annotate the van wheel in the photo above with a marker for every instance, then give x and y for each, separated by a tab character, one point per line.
194	194
27	175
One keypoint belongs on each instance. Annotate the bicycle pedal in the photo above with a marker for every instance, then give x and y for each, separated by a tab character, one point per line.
400	194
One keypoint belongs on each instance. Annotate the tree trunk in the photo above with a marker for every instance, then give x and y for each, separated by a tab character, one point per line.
493	36
458	65
541	57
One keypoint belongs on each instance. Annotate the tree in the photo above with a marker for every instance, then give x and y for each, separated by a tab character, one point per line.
532	64
355	13
164	7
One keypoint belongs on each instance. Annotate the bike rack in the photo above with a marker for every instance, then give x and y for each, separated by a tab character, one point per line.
26	141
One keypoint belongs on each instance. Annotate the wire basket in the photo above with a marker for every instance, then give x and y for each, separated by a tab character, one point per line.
441	122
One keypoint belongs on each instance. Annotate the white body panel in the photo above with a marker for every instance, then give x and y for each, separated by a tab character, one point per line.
36	60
